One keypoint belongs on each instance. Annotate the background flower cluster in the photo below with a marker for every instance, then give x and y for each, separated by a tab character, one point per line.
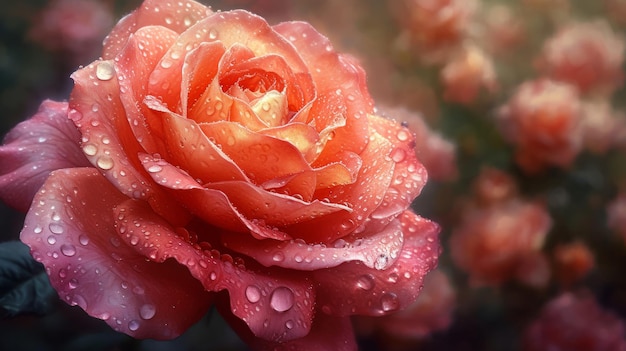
518	107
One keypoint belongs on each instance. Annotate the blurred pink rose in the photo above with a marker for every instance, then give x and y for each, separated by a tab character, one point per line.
468	74
502	242
588	55
572	262
542	120
435	28
74	28
575	323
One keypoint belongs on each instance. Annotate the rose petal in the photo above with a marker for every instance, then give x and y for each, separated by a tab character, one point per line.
330	70
135	66
45	142
296	86
261	157
107	138
70	229
199	70
190	149
363	196
276	306
376	250
329	333
213	206
300	135
364	291
175	15
333	74
409	175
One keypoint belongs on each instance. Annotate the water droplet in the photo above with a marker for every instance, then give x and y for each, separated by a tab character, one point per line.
213	276
289	324
282	299
134	240
147	311
230	141
389	302
105	163
398	155
253	294
72	284
68	250
166	63
365	282
133	325
80	301
278	257
95	108
168	20
155	169
90	149
56	228
187	21
38	230
52	240
105	70
83	239
381	261
213	34
403	135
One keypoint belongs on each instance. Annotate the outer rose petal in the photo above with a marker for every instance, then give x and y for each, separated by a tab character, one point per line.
364	291
70	229
175	15
340	84
44	143
329	333
376	250
108	140
276	305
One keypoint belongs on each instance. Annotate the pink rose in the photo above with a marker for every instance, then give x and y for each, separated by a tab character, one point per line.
225	155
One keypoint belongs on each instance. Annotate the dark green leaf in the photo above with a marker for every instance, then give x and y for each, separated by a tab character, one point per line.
24	285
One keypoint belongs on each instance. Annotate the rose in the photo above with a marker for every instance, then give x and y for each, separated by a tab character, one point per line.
226	154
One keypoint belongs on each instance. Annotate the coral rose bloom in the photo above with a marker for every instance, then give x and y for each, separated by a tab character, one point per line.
225	155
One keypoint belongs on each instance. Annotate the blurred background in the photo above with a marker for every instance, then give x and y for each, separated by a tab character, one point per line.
518	107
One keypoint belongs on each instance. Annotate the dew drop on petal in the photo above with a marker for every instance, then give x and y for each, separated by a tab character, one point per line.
365	282
253	294
56	228
213	34
52	240
133	325
155	169
403	135
105	163
147	311
90	149
278	257
282	299
289	324
83	239
68	250
105	70
72	284
389	302
398	155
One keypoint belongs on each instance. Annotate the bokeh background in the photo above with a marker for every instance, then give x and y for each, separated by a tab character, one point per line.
518	108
